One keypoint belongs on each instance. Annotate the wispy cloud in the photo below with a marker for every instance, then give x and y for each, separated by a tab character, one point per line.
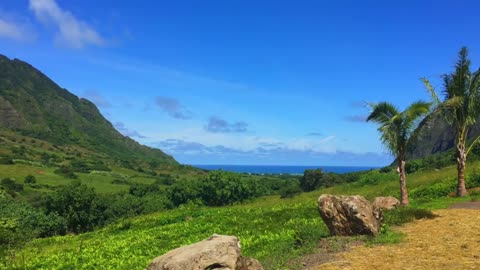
245	141
127	132
218	125
97	98
173	108
356	118
72	32
14	30
264	154
359	104
315	134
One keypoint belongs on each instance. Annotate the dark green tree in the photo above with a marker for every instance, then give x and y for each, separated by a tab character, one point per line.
78	204
311	180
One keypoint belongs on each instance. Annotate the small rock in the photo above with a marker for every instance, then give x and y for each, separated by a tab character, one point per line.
385	203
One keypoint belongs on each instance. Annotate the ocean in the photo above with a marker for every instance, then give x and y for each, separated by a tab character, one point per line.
280	169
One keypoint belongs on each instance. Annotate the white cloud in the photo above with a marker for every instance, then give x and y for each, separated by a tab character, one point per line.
278	154
242	142
72	32
14	31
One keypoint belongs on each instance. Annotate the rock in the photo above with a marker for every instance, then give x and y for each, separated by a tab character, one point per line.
385	203
220	252
248	264
349	215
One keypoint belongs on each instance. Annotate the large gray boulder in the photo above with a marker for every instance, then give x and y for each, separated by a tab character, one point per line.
349	215
220	252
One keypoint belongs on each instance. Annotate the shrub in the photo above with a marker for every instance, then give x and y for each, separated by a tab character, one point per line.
183	192
79	166
404	215
413	166
473	180
141	190
11	185
387	169
374	177
66	171
30	179
120	182
290	190
434	191
6	161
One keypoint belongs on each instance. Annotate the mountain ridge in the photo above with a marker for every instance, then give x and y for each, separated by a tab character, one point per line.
34	105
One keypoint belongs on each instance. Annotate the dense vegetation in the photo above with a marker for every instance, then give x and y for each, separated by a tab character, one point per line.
274	230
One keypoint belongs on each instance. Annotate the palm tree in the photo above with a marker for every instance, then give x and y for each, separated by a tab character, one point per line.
395	130
460	108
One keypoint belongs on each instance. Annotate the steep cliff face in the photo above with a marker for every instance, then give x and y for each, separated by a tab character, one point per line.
33	105
436	135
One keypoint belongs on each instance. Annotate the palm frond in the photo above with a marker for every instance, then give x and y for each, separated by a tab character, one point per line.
383	113
416	110
388	117
431	91
454	103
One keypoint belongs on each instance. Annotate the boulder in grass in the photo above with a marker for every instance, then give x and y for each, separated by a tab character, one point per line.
349	215
385	203
220	252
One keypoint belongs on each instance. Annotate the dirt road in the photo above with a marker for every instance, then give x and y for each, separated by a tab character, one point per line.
450	241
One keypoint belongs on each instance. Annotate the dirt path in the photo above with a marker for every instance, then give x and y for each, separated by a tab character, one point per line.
450	241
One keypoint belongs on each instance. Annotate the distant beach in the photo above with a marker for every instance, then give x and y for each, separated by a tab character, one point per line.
281	169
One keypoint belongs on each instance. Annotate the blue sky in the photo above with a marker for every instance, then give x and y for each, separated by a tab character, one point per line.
244	82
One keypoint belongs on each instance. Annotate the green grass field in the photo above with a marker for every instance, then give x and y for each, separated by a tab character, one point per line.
101	182
273	230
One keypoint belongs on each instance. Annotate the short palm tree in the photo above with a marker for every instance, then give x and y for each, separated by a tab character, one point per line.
395	130
460	108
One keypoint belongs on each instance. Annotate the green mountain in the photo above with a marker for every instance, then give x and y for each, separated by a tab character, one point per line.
34	106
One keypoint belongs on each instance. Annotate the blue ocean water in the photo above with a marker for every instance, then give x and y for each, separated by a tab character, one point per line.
279	169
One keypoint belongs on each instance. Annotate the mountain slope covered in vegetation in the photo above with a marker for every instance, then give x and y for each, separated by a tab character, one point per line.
33	105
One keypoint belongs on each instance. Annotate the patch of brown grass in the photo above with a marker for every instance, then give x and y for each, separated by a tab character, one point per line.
450	241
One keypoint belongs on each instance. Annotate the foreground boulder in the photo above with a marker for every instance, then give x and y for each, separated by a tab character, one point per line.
385	203
349	215
220	252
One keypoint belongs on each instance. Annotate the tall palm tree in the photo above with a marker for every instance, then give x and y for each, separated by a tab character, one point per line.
460	108
395	130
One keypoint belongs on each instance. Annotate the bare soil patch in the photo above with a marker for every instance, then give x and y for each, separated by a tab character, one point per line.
450	241
466	205
326	251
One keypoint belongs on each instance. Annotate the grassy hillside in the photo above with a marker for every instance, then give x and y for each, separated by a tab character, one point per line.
21	156
274	230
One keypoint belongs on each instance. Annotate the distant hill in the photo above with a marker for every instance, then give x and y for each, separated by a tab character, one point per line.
33	105
435	135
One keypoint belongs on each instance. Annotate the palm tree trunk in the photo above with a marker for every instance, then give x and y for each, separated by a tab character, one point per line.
403	182
461	159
